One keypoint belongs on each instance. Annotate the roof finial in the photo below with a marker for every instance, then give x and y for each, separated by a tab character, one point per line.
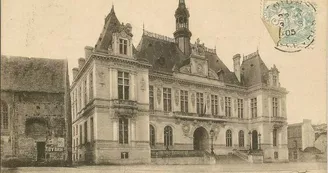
143	27
112	10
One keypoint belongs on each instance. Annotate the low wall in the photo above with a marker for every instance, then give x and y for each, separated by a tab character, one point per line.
184	161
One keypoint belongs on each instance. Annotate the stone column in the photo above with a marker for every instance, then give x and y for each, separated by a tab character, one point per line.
115	129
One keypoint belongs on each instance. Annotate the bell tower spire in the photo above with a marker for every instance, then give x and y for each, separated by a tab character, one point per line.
182	33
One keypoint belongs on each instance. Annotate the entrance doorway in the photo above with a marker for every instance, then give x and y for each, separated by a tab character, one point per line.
254	140
41	147
201	140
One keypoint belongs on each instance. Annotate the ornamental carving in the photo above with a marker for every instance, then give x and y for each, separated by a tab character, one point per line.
198	49
176	97
159	95
185	128
143	84
221	103
212	74
283	107
193	99
235	104
208	101
185	69
200	67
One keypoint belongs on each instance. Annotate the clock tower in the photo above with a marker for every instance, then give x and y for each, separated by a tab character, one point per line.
182	34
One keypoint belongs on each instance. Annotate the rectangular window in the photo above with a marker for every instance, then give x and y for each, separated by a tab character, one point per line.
80	131
123	85
90	86
254	107
91	129
184	101
85	92
80	98
75	102
295	155
167	99
274	107
123	131
274	136
73	131
200	103
240	108
151	98
124	155
276	155
227	101
85	132
274	78
123	46
214	104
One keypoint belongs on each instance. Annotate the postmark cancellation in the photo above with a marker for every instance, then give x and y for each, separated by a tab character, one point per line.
291	24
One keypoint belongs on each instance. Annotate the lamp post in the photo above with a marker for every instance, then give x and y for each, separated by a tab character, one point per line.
259	141
212	136
250	141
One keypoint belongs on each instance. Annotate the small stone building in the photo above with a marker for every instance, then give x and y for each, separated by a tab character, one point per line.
33	114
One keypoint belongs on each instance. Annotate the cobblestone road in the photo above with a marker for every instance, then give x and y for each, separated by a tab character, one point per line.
284	168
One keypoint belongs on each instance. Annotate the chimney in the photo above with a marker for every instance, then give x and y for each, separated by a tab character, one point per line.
88	50
236	65
81	63
75	72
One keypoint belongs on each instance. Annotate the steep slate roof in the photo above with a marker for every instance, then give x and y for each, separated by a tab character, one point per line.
112	25
164	55
215	63
161	54
32	74
312	150
253	70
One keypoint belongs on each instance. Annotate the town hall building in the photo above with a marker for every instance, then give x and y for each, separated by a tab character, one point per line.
131	103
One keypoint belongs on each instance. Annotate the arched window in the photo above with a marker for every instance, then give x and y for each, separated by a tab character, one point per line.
168	133
241	138
151	135
228	138
4	115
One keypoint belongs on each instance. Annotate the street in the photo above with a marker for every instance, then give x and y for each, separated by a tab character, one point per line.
268	167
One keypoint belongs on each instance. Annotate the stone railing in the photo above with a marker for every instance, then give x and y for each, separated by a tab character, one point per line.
124	104
158	36
277	118
125	107
176	153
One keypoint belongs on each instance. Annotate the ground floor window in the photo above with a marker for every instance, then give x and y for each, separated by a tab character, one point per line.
276	155
168	136
228	138
151	135
295	155
123	131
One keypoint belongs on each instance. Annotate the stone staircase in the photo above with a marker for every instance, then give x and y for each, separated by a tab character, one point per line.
230	159
254	156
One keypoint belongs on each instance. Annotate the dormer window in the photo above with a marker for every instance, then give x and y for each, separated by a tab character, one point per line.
274	80
123	46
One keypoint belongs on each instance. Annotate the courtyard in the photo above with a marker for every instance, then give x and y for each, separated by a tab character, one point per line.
267	167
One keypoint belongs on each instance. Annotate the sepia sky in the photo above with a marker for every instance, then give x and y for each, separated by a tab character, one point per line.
62	28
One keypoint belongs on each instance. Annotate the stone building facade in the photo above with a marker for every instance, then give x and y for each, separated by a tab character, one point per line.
304	142
170	94
33	115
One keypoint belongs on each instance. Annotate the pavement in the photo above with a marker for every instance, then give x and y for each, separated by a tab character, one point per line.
236	168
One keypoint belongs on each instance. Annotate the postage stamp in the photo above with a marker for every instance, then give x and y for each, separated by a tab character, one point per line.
291	24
